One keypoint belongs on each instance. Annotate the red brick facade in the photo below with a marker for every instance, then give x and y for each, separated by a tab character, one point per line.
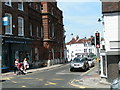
53	30
43	35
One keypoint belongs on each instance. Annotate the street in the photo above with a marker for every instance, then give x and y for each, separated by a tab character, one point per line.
58	77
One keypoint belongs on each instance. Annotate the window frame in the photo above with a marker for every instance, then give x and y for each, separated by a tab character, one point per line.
21	9
10	3
22	33
10	24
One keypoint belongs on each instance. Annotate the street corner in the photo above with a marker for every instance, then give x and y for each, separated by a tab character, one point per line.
78	84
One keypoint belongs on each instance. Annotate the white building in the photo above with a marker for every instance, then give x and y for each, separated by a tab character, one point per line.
111	16
79	47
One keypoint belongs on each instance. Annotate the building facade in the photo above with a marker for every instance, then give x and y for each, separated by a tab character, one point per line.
33	30
111	16
54	39
22	35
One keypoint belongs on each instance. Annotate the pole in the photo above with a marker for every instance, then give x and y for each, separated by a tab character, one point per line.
98	57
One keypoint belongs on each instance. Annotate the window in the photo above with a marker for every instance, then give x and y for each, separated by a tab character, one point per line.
90	50
36	54
30	4
52	11
36	6
85	44
8	28
31	29
37	32
42	32
52	30
20	5
85	50
20	26
8	3
41	7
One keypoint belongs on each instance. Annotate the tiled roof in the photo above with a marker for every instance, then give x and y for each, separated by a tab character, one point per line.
73	41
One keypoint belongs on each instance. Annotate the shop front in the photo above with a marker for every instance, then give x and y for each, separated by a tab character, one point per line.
15	49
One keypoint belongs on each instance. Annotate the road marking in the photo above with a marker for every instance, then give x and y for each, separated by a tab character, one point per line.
27	78
50	83
57	79
69	73
14	81
24	86
9	78
88	71
75	85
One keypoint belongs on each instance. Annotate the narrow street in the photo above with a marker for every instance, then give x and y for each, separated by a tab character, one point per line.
58	77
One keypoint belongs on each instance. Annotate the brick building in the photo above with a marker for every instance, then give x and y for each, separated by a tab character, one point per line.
34	30
53	32
22	36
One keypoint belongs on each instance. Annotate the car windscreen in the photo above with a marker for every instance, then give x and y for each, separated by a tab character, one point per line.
89	59
76	60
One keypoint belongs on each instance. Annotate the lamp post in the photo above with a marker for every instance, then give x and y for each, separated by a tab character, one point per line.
102	59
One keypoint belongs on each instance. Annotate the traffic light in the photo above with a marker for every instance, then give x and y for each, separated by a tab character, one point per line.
93	41
97	36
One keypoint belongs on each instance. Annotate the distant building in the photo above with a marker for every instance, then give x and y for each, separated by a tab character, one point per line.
79	47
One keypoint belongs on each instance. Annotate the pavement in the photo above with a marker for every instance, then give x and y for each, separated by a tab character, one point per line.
91	80
8	75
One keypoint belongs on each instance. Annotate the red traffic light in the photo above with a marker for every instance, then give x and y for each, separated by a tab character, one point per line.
97	34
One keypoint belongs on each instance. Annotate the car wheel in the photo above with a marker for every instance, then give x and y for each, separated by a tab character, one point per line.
71	69
84	68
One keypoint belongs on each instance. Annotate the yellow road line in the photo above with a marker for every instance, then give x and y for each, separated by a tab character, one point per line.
78	86
24	86
57	79
88	71
50	83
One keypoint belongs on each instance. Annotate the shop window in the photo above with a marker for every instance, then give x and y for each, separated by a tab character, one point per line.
20	6
36	54
8	28
20	26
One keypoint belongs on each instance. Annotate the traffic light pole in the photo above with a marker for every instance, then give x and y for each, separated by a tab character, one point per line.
98	57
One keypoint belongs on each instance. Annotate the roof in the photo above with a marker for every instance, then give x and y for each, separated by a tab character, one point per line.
75	41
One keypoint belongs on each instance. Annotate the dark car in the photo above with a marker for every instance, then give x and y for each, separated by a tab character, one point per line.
79	63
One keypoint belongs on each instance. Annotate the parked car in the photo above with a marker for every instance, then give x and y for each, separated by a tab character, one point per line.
115	84
91	62
79	63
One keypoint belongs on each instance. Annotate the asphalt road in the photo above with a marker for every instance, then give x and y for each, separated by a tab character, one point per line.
58	77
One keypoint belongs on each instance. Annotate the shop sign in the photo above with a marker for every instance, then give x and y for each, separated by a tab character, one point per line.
5	21
15	41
